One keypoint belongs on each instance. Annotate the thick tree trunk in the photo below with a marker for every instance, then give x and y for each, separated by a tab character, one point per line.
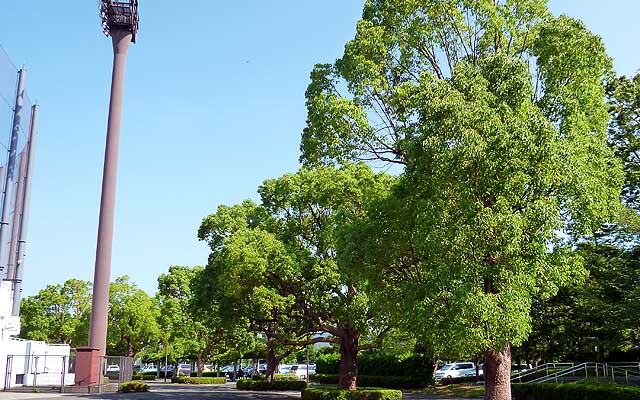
497	373
272	361
348	361
200	364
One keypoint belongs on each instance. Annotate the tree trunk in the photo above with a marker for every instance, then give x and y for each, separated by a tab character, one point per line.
497	371
200	364
348	361
235	369
272	361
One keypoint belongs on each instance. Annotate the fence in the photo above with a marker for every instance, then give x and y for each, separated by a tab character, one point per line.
38	371
16	115
117	369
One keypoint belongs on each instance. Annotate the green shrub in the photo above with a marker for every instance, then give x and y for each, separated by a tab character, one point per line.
568	391
381	364
251	384
134	386
389	382
199	381
205	374
145	376
335	394
277	377
285	377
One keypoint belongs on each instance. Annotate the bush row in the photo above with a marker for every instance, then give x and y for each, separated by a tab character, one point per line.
389	382
378	364
207	374
568	391
145	376
200	381
278	377
132	387
335	394
252	384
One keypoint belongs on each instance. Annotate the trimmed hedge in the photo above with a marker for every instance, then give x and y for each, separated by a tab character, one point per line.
335	394
278	377
569	391
146	376
389	382
206	374
133	387
380	364
200	381
251	384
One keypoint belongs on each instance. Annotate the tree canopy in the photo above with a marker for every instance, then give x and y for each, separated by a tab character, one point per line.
494	113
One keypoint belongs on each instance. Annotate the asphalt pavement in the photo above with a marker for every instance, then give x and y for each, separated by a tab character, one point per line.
168	391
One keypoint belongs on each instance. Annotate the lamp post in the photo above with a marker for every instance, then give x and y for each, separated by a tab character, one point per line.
120	21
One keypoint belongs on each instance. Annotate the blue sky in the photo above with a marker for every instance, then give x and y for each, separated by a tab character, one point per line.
214	105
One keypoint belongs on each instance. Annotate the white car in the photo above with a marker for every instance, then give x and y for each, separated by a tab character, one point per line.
300	370
456	370
113	368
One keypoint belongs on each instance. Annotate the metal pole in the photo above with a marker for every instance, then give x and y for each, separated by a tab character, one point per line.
100	303
64	373
17	213
35	374
26	203
8	183
166	370
626	376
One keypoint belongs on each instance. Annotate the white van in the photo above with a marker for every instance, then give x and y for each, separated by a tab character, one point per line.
456	370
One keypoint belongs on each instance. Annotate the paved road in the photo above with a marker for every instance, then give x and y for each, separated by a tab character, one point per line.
161	391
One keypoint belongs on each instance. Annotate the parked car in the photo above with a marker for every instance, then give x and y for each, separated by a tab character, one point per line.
456	370
284	368
249	370
113	368
517	368
301	372
185	369
149	368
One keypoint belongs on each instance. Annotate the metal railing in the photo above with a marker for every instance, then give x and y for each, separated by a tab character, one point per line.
562	372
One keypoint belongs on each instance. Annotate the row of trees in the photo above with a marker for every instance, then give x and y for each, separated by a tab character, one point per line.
60	314
492	117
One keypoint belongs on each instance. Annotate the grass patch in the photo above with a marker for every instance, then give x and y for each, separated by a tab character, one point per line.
464	390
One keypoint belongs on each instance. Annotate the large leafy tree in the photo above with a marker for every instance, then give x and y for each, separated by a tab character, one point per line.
193	325
58	313
281	258
132	319
494	113
244	281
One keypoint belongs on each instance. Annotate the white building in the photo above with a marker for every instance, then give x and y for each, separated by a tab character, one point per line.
28	362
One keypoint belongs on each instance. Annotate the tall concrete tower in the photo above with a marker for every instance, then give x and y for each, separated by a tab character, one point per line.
120	21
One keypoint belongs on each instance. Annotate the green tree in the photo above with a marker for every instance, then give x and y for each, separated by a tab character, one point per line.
593	320
132	319
58	313
624	133
244	281
281	258
494	113
194	325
